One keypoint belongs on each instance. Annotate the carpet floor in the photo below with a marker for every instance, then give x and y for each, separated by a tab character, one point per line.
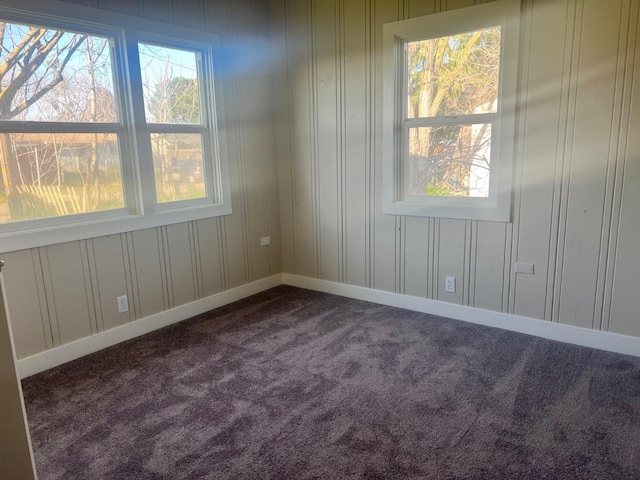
294	384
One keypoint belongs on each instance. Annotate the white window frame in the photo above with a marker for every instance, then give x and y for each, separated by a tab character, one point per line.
204	128
142	210
396	35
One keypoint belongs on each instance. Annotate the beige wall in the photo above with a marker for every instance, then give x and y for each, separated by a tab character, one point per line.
311	179
61	293
577	185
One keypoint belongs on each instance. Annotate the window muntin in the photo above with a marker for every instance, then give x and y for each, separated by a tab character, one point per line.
59	124
449	112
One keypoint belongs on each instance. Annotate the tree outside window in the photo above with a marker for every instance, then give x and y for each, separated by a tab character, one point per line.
449	96
51	78
452	76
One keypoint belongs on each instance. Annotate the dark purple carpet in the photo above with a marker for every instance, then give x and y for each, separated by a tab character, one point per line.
293	384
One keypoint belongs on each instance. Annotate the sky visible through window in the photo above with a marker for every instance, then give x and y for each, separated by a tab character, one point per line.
48	74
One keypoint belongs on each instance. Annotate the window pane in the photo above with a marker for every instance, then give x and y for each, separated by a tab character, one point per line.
49	175
177	162
170	84
454	75
49	75
450	161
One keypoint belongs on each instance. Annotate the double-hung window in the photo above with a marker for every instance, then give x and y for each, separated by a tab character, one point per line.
449	110
104	127
176	121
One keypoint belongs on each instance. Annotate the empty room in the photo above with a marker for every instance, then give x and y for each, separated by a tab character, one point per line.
360	239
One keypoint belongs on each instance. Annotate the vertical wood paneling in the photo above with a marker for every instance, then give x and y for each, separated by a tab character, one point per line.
68	291
625	301
26	302
160	10
217	15
563	167
211	278
236	240
489	266
327	125
451	259
128	7
181	275
470	241
614	208
416	257
354	137
548	67
280	60
189	13
302	151
453	4
150	290
237	63
110	280
594	112
418	8
267	153
384	254
248	116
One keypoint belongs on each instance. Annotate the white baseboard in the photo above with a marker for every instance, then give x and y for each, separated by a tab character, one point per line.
564	333
611	342
65	353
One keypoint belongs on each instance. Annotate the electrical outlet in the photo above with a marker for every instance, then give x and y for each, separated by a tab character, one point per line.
264	241
450	284
522	267
123	304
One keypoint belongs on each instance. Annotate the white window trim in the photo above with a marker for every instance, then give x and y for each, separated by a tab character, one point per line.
497	207
142	210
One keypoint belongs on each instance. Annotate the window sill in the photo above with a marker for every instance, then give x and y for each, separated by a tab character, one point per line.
42	236
471	211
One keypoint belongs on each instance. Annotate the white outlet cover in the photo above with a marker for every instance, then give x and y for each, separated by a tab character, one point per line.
264	241
123	304
450	284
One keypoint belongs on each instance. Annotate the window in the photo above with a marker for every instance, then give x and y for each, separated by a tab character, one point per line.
449	110
174	121
104	128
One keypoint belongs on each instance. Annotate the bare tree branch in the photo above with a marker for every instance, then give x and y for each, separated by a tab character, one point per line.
29	69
